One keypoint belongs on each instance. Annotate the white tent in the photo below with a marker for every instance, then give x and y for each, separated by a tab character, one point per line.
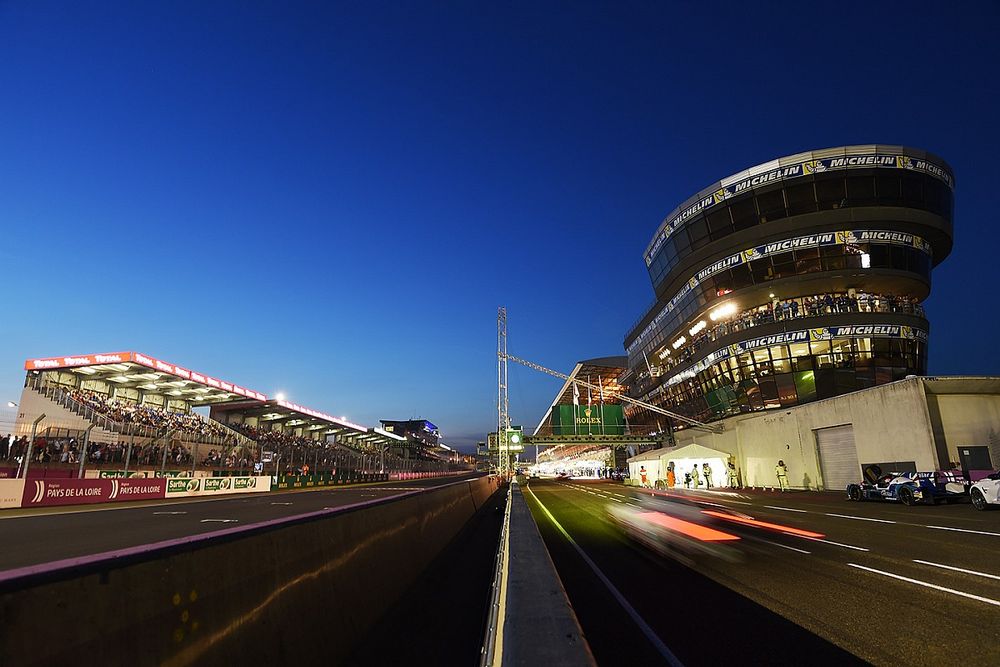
695	456
648	463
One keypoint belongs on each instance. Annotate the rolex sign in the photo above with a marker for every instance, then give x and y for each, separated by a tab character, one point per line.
588	420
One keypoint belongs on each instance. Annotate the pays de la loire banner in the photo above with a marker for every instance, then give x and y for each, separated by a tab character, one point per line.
45	492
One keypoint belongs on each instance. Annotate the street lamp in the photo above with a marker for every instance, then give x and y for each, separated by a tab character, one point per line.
11	404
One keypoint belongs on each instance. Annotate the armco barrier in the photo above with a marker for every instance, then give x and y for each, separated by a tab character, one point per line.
303	588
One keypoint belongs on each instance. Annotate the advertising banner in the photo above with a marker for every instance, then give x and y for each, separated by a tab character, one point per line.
81	360
46	492
593	419
182	487
49	363
745	182
113	474
11	492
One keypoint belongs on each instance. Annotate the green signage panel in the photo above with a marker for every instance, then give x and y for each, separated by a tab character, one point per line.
594	419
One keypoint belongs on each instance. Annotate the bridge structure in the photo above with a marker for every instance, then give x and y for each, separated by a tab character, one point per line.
599	378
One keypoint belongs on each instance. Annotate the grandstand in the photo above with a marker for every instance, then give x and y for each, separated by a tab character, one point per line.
128	409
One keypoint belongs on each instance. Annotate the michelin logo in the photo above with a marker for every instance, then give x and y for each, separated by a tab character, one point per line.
813	167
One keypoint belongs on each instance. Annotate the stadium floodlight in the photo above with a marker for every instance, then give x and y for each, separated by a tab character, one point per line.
280	396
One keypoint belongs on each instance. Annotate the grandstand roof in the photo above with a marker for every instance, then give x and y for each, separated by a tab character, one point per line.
605	371
314	422
140	371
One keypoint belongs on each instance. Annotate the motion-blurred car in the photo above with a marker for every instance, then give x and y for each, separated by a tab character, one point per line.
985	493
677	530
911	488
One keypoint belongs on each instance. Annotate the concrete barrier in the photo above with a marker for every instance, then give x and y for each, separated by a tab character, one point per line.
301	588
533	622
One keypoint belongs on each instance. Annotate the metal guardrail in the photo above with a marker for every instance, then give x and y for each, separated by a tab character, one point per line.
494	623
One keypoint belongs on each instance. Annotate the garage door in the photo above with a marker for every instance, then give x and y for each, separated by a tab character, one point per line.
838	457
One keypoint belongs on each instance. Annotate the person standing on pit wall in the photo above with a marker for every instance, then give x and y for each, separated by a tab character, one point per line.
687	480
643	479
781	471
706	471
695	479
671	477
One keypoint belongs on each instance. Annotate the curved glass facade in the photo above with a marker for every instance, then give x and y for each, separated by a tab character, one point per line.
722	278
784	375
808	195
798	311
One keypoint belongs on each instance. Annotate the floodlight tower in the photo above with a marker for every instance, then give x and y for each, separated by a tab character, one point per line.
503	404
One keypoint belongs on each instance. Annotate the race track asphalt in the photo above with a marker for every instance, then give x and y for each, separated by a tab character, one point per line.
859	595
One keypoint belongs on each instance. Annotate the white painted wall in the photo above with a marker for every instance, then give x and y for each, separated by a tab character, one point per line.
967	419
891	423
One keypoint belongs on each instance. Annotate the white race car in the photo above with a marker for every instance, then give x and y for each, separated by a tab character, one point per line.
986	492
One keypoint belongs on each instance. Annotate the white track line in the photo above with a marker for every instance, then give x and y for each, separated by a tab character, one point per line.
653	638
220	521
786	509
859	518
957	569
816	539
785	546
978	598
964	530
169	512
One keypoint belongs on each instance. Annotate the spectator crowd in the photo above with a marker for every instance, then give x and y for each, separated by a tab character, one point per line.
789	309
127	412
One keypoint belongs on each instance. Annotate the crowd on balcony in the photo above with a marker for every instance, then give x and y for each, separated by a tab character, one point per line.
153	416
789	309
269	438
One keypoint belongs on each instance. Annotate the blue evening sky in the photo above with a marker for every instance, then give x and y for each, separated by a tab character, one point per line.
332	199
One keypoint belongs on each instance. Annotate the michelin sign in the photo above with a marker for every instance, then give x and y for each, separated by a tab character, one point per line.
737	185
784	338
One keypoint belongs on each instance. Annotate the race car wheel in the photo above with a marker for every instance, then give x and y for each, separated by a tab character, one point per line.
854	493
979	500
905	496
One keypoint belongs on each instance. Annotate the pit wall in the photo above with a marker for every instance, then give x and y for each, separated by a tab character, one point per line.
297	589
